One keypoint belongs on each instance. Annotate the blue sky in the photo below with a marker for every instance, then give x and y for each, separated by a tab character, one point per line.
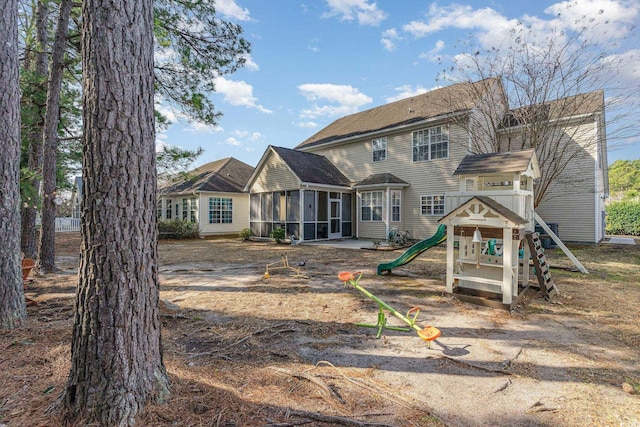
315	61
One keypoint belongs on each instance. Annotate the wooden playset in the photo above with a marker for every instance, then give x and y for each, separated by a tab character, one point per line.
491	230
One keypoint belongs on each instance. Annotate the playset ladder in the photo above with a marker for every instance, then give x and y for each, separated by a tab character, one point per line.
547	285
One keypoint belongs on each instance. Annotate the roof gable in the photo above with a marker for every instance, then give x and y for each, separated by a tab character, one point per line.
226	175
466	210
312	168
456	98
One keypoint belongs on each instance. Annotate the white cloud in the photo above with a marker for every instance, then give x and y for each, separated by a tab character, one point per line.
166	111
249	63
611	17
388	39
161	141
232	141
433	54
230	8
238	93
307	124
490	25
365	12
203	128
407	91
251	136
313	45
600	18
345	99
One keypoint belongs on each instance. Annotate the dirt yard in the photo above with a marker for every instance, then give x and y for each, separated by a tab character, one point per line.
242	350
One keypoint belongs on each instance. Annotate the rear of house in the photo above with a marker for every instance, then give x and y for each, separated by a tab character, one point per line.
391	167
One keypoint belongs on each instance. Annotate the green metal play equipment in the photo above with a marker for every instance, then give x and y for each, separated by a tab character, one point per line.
415	250
428	333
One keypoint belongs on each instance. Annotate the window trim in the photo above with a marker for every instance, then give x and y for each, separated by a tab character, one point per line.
222	208
374	150
371	206
426	205
428	143
398	205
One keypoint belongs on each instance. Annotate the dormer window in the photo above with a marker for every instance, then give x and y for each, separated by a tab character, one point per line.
379	149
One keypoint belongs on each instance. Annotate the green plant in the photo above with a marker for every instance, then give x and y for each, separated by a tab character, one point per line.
178	229
623	218
246	233
278	235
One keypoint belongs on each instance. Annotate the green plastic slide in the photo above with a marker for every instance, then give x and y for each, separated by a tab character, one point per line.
415	250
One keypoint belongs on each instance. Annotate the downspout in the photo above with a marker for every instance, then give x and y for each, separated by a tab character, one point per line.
357	216
387	220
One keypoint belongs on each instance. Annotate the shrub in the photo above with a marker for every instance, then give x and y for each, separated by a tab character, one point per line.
246	233
278	234
178	229
623	218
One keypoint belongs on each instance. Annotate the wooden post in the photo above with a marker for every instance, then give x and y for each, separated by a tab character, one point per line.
450	258
507	256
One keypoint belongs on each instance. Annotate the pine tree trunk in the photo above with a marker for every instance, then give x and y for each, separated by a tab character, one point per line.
46	262
13	311
29	212
116	364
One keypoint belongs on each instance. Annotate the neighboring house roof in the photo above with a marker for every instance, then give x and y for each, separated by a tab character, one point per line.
382	179
498	208
498	163
572	106
226	176
312	168
447	100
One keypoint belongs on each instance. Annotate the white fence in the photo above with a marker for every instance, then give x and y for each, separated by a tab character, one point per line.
67	224
64	224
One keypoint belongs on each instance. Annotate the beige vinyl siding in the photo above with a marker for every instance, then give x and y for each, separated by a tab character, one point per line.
430	177
240	212
572	200
275	176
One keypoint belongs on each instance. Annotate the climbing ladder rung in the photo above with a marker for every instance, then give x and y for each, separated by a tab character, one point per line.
547	285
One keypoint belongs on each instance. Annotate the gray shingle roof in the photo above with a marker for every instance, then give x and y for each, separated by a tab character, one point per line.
483	164
226	175
586	103
381	179
312	168
451	99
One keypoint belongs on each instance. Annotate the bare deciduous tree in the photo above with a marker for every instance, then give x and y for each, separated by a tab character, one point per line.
554	88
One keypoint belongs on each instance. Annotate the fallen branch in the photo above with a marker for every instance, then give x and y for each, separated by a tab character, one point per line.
312	379
240	341
482	368
336	420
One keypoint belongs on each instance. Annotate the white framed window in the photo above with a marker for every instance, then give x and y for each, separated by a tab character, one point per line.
220	210
379	149
185	209
193	205
432	205
168	209
396	203
430	144
371	206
